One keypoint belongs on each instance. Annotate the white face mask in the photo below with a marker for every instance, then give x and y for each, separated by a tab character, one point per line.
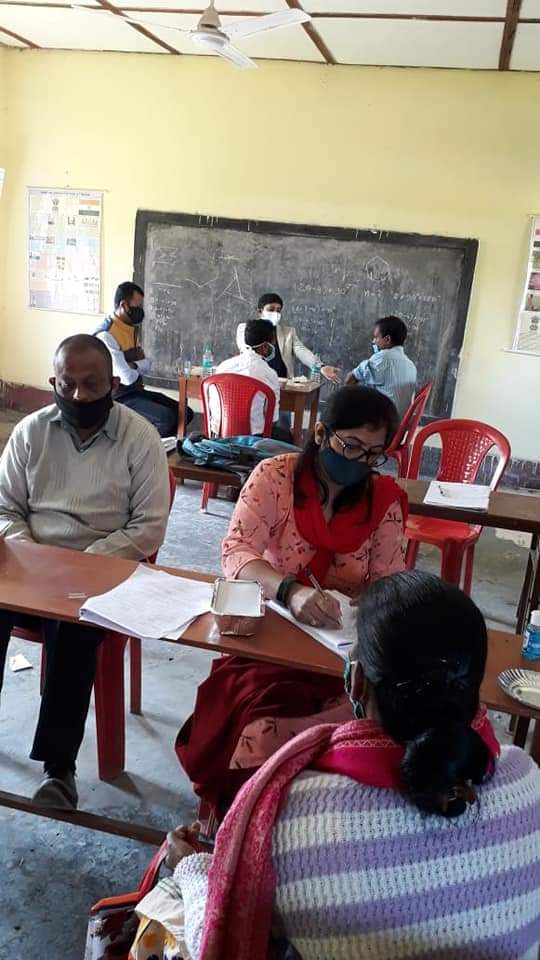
274	317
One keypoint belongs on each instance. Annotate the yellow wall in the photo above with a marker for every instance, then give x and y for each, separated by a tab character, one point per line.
3	159
443	152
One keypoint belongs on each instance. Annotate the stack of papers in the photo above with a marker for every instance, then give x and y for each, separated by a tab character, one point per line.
339	641
466	496
150	604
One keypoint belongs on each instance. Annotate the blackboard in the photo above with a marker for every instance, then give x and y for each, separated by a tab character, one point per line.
203	275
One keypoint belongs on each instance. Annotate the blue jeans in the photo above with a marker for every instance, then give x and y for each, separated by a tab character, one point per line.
157	408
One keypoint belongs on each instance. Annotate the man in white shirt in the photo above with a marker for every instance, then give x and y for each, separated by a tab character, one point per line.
389	369
84	474
121	335
288	344
254	361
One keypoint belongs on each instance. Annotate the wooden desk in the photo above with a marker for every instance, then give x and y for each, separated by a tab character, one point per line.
293	398
507	511
37	580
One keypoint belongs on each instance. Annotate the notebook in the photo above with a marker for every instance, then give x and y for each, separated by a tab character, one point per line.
466	496
340	640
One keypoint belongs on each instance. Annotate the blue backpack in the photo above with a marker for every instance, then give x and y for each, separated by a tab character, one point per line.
238	455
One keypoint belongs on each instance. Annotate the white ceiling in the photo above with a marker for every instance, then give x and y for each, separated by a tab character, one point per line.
418	33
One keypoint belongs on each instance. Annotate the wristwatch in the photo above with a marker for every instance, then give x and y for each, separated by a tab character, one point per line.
284	590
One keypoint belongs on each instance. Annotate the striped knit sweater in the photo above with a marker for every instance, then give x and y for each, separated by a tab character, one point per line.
361	873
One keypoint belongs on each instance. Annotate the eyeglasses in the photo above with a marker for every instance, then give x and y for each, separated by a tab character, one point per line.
356	451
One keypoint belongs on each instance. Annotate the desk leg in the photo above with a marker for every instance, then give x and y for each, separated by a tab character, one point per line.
182	405
530	593
109	701
535	745
298	416
314	409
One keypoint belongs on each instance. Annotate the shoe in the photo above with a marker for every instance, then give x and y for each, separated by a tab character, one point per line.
57	792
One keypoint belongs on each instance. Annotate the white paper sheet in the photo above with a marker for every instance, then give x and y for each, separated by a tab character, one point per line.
339	641
150	604
466	496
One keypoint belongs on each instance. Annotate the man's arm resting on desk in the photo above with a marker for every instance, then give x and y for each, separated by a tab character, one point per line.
13	486
149	504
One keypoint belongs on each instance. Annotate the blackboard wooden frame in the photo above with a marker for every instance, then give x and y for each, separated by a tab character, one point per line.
469	248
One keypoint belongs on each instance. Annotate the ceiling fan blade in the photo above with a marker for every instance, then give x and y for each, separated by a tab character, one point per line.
239	59
270	21
130	19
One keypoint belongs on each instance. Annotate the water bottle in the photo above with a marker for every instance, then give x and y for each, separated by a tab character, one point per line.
207	362
531	638
316	370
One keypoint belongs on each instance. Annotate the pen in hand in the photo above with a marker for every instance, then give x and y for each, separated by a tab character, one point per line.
316	585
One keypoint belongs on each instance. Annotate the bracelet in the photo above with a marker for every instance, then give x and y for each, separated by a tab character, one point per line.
284	590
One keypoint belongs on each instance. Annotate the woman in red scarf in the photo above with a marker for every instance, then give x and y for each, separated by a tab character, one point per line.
402	835
326	514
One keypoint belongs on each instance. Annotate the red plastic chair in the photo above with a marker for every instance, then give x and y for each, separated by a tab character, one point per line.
400	448
109	686
465	445
236	394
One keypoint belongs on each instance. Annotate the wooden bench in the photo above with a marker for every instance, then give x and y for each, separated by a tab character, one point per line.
185	469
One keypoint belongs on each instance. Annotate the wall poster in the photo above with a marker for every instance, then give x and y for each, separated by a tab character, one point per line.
527	338
64	250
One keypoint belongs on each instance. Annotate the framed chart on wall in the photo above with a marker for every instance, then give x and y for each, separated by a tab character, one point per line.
64	250
527	338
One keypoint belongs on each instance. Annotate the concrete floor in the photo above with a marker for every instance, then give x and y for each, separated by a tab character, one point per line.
51	873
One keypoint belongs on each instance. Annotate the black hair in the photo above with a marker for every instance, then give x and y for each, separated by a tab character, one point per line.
352	406
269	298
259	331
125	291
80	342
423	645
394	328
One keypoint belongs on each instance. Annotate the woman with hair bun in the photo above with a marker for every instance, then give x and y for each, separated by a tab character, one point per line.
404	833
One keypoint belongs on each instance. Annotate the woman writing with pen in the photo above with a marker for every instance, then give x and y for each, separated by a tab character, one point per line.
303	525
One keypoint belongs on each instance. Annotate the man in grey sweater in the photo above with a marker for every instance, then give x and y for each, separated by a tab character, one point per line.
86	474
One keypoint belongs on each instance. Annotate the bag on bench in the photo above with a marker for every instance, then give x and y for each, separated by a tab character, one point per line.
239	455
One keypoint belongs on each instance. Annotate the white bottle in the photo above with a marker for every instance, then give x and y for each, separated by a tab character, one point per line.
207	362
316	370
531	638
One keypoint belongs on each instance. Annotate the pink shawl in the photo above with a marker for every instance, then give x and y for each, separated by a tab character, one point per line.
241	879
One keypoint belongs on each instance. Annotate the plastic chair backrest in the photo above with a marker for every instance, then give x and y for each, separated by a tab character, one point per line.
411	419
236	394
464	447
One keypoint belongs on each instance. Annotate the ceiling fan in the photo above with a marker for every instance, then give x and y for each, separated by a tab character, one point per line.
215	38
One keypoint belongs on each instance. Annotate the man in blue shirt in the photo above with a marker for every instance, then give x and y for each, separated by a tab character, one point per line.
389	369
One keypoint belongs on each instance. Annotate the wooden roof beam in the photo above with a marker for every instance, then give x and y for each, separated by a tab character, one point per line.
513	9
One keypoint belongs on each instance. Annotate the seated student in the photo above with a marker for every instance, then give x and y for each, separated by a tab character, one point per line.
121	334
288	343
254	361
327	512
405	834
389	369
85	474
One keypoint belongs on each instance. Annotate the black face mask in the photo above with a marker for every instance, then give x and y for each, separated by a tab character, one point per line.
136	315
84	415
